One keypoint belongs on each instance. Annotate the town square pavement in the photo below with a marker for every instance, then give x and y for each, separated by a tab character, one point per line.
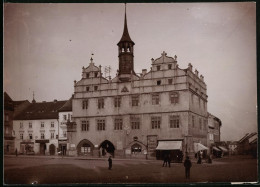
78	170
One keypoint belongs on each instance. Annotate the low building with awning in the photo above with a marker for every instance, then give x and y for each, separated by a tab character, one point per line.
223	149
170	147
199	147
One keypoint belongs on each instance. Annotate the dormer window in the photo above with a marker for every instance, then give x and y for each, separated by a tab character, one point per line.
96	74
158	68
87	75
169	66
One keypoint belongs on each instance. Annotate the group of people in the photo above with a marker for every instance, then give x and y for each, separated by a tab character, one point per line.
166	159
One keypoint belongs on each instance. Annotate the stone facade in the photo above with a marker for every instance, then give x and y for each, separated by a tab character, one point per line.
214	125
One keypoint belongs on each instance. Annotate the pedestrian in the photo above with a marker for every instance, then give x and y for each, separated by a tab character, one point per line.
165	160
110	163
169	160
187	165
16	152
199	158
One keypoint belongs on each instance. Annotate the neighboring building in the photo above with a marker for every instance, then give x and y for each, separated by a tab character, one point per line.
161	111
65	114
214	125
19	106
248	144
36	128
8	125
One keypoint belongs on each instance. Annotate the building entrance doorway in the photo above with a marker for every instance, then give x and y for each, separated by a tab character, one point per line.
52	149
107	147
42	148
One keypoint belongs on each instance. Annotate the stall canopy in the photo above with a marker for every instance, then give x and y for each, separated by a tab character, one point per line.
199	147
223	148
216	149
169	145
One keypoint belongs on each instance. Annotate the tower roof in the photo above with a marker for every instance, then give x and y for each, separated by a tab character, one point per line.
125	37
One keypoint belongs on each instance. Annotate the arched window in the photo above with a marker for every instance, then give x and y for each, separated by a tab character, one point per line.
136	149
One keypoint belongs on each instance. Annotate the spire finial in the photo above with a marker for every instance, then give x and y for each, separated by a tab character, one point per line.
33	101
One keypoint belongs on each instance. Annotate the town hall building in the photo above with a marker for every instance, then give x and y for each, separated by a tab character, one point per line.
161	111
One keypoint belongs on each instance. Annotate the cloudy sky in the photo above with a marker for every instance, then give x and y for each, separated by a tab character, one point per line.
46	46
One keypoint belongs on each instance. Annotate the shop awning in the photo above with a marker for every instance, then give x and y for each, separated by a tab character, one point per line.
223	148
216	149
199	147
169	145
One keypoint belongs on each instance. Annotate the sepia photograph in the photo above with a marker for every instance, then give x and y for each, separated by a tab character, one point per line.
129	93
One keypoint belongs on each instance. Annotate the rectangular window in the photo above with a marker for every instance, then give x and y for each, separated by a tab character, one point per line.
87	125
200	123
85	104
158	68
193	121
21	125
95	88
42	124
156	122
169	81
42	135
64	134
83	125
87	88
30	125
159	82
52	135
21	136
135	122
64	117
211	137
174	97
135	100
30	136
96	74
52	124
87	75
155	99
118	124
69	117
117	101
101	103
169	66
101	124
174	121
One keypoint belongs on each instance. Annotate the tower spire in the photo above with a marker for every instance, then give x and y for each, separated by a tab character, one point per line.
125	54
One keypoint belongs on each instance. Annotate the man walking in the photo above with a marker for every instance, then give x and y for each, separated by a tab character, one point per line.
109	163
165	160
187	165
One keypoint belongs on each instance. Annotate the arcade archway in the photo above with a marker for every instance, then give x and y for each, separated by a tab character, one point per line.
106	147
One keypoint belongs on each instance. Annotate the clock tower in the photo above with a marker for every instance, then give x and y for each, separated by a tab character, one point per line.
125	55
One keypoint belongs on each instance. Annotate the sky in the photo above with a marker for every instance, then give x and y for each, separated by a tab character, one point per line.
46	46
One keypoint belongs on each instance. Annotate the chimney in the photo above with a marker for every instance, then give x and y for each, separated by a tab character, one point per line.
196	72
202	77
144	71
152	60
190	66
55	100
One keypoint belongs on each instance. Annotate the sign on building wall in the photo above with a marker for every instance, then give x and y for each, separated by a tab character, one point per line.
151	143
128	151
119	145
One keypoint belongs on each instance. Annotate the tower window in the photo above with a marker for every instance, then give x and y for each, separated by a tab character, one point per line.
174	121
174	97
169	66
158	68
85	104
128	50
135	122
101	124
87	75
118	124
123	50
135	100
101	103
155	99
117	101
159	82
